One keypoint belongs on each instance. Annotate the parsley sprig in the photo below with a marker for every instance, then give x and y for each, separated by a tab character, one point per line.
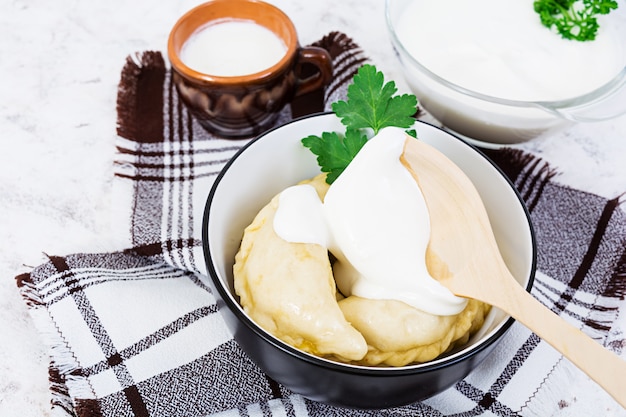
573	19
371	106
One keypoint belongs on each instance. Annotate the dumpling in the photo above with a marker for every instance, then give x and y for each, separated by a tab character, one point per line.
289	290
398	334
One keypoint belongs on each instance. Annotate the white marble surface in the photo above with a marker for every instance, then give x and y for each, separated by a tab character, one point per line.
58	75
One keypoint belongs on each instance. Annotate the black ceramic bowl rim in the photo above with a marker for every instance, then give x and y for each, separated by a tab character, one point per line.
439	363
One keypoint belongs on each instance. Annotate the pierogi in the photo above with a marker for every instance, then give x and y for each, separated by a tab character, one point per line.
289	290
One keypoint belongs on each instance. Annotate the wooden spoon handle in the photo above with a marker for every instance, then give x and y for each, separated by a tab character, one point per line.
599	363
463	241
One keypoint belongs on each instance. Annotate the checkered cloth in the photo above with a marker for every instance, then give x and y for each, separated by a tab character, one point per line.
138	333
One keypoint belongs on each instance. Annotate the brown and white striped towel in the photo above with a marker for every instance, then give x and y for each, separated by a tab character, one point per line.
137	332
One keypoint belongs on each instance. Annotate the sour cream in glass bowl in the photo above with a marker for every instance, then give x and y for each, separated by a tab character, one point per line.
490	71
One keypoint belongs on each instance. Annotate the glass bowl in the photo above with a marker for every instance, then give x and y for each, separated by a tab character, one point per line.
499	120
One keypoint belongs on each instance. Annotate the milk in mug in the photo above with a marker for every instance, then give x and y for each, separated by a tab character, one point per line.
230	48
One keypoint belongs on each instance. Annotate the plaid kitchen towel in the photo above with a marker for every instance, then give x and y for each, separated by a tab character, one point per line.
137	332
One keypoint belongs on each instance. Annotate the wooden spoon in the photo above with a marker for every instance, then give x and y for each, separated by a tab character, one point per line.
478	271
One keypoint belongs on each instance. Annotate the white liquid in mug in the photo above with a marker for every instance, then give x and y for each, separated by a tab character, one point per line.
232	48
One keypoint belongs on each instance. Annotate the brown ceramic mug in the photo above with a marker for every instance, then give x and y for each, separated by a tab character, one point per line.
244	105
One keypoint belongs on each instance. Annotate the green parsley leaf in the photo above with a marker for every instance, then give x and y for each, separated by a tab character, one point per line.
412	132
371	106
371	103
573	19
334	152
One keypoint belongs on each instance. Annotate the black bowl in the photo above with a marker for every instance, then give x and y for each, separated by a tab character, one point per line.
276	160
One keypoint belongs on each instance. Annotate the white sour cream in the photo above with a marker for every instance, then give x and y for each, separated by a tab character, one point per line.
375	221
231	48
500	48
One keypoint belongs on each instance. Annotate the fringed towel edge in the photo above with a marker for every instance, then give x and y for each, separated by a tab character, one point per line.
71	393
140	97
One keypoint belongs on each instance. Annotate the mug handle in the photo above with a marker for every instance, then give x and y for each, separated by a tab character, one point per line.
320	59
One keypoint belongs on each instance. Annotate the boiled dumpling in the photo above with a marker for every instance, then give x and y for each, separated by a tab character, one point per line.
398	334
288	289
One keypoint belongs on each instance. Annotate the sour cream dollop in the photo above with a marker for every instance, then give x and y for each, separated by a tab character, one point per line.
375	221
